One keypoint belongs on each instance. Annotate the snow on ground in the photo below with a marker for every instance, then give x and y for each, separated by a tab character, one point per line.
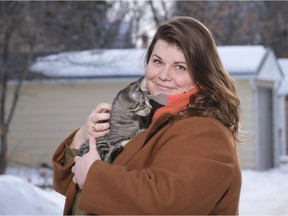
263	193
23	198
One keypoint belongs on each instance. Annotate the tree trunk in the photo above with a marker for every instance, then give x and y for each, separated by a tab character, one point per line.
154	12
3	128
3	154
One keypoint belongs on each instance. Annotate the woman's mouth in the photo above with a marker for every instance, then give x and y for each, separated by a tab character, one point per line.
163	87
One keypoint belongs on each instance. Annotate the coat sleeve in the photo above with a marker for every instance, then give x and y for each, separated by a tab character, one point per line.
192	166
62	164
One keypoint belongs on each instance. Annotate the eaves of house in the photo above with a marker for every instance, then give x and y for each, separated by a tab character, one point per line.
242	62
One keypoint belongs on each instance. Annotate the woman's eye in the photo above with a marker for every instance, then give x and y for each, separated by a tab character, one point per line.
180	67
156	61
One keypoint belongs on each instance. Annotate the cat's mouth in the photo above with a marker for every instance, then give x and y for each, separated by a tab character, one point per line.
146	109
144	112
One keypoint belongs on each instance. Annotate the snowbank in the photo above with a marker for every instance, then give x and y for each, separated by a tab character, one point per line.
263	193
18	197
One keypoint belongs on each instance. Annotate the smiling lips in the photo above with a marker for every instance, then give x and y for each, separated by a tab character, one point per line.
163	87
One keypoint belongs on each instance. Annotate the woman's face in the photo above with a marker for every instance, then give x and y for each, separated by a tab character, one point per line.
167	71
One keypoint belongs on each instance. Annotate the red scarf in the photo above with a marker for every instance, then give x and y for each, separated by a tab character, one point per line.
175	103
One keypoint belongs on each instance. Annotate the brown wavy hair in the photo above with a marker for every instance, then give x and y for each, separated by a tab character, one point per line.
217	96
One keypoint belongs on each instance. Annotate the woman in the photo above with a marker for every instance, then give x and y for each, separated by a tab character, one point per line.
186	162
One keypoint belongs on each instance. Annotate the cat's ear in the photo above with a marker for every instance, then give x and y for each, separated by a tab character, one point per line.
134	90
134	87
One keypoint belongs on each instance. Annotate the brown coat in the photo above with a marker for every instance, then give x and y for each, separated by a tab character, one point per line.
188	167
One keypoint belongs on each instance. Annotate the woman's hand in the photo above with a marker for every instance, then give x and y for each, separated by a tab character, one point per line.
82	164
96	125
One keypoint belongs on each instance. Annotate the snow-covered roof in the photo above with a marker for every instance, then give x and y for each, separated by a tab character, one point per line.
92	63
130	62
242	59
283	90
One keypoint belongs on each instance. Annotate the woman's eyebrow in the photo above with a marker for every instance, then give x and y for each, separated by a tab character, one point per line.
176	62
180	62
157	56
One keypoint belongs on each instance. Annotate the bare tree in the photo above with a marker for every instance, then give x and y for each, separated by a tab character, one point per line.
242	22
275	33
118	29
14	63
70	25
28	28
160	12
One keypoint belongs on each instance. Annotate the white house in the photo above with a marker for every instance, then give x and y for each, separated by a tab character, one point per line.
94	76
257	72
283	110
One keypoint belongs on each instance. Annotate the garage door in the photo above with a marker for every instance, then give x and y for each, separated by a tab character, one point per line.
264	149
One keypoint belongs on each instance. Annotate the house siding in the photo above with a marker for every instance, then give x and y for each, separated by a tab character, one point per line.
47	112
247	149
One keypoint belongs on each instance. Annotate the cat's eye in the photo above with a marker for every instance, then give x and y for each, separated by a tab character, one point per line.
134	107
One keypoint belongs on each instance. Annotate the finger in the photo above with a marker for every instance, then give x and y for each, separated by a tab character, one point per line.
98	127
73	169
76	158
92	143
93	149
103	107
99	117
74	180
99	134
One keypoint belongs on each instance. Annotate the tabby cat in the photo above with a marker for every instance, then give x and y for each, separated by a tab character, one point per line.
129	116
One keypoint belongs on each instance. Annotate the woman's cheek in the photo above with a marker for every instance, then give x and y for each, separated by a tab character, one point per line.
149	79
149	72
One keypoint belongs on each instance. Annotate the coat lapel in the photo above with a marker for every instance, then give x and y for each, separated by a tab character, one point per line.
131	148
135	145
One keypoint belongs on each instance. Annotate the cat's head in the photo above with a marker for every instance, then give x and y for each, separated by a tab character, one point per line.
136	99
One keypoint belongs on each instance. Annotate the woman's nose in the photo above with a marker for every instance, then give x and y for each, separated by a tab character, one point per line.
165	73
